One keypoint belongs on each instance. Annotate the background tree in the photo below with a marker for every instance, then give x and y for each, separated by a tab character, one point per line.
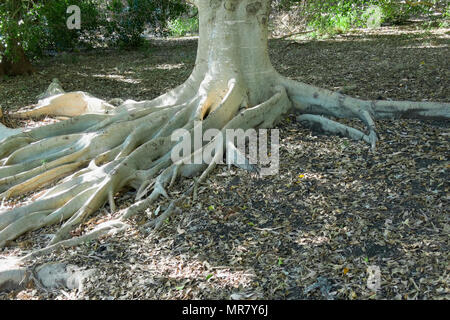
29	28
15	16
125	21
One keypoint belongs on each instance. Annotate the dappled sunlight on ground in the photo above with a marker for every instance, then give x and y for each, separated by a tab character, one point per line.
334	209
118	78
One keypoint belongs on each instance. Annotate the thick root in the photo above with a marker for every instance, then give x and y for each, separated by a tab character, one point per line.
312	101
123	148
102	153
67	105
7	132
46	160
107	228
75	198
410	110
323	124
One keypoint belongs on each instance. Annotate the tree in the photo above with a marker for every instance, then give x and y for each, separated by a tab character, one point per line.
13	60
126	20
105	149
29	27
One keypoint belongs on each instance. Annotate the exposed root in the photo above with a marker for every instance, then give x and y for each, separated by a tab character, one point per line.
44	161
102	153
74	198
101	150
311	101
159	220
410	110
40	180
67	104
107	228
323	124
7	132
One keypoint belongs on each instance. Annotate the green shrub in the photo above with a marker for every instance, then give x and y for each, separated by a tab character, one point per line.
58	35
182	26
333	16
39	25
126	23
372	17
445	23
21	22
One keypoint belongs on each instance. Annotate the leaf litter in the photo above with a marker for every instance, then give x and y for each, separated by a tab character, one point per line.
313	231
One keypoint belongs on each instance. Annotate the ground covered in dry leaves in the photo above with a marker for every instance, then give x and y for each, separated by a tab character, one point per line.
310	232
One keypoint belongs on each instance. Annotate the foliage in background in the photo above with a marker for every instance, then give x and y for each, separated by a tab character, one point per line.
331	16
182	26
40	25
125	23
445	23
20	22
58	36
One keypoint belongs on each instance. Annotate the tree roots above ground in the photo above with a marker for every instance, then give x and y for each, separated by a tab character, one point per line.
101	149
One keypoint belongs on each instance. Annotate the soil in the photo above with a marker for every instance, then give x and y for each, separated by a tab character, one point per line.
311	232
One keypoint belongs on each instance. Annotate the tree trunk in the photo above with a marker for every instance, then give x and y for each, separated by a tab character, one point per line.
233	86
18	64
233	45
